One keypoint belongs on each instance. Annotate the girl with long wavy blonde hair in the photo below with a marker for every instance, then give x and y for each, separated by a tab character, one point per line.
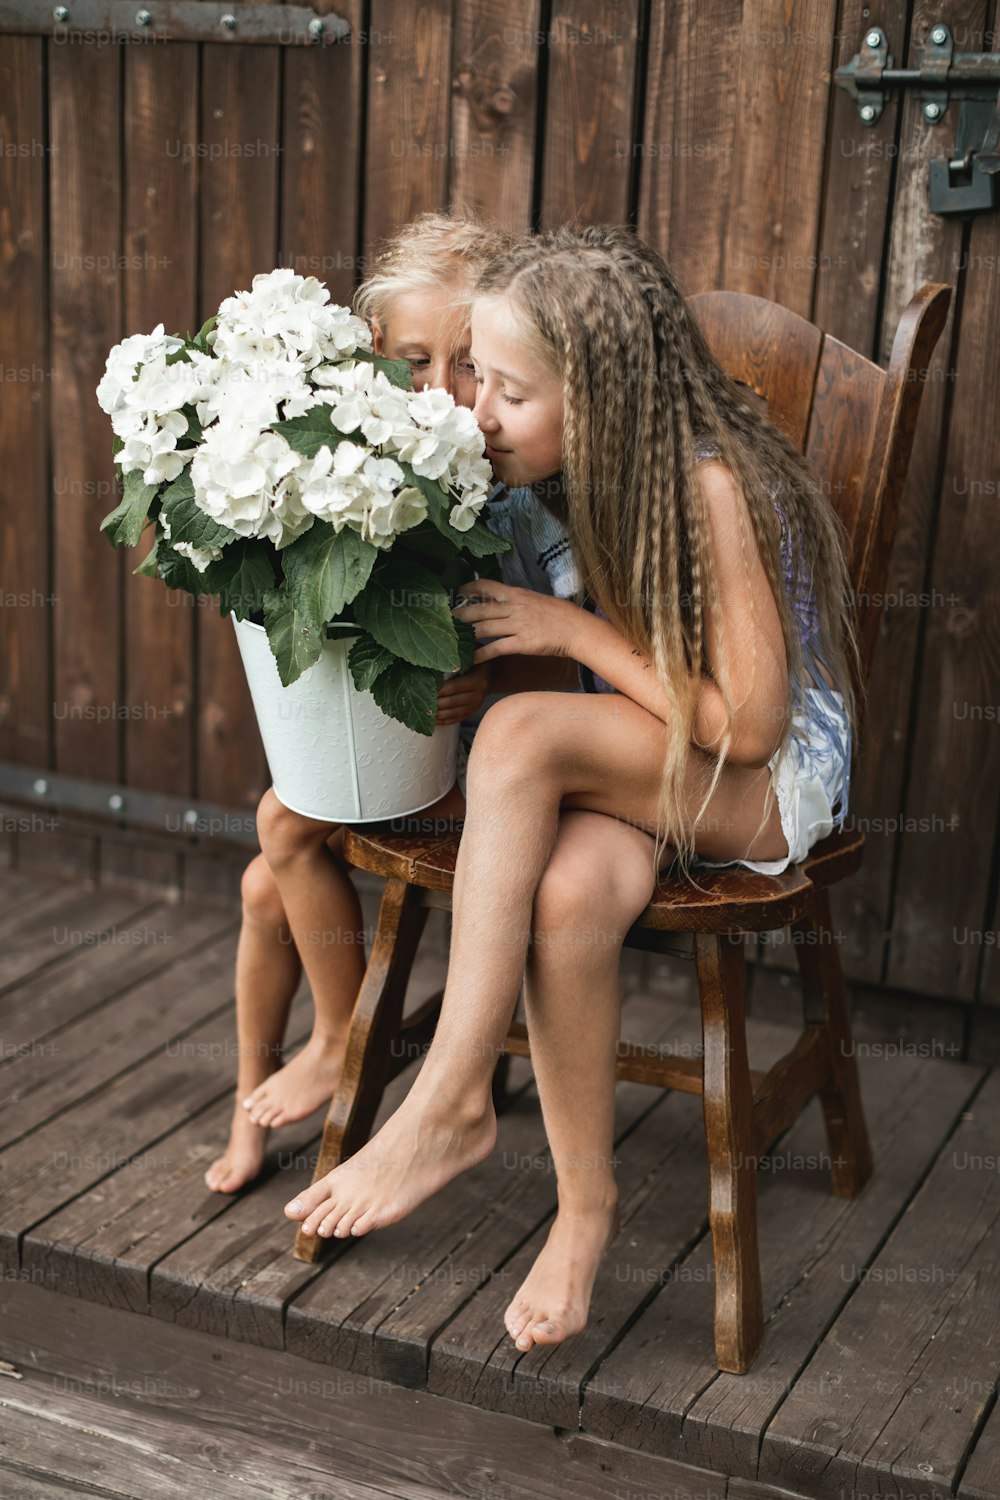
718	654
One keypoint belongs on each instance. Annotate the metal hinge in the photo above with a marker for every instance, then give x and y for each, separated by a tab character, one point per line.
965	181
172	21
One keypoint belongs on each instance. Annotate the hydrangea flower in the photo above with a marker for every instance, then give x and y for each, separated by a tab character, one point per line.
237	472
286	315
278	352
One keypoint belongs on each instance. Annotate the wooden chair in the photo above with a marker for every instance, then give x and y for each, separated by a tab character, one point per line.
855	421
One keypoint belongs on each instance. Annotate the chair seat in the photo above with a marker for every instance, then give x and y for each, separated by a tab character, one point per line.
734	899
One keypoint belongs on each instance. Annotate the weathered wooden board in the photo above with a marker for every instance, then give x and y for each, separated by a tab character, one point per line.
896	1391
589	165
660	1390
88	975
280	1421
494	83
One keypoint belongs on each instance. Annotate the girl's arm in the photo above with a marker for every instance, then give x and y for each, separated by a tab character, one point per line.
752	634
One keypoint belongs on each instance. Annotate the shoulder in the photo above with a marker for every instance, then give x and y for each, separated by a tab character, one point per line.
721	492
724	499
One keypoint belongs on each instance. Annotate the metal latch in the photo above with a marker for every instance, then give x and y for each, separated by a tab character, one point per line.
964	182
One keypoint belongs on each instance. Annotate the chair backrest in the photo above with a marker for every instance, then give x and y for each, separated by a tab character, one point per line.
853	420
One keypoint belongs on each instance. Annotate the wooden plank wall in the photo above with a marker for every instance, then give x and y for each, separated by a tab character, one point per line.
143	183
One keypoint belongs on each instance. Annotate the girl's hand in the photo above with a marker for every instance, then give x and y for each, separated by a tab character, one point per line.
522	622
461	696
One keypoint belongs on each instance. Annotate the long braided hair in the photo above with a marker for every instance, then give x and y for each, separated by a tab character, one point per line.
642	394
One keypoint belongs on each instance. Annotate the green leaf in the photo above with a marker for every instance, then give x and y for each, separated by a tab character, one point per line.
428	544
467	644
205	329
408	694
407	610
194	427
367	659
326	570
308	433
187	522
488	567
295	645
178	572
241	577
124	524
147	568
437	498
481	541
398	372
478	541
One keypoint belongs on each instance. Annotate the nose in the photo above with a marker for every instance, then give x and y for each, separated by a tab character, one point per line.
482	411
441	372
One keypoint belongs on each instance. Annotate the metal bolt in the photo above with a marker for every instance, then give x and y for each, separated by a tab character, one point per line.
317	26
61	13
40	787
144	18
868	113
932	111
939	36
874	37
191	817
116	801
228	22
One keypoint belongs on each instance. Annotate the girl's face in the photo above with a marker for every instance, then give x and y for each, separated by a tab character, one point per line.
431	335
520	401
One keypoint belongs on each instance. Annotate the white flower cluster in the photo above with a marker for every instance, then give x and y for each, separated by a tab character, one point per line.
351	485
278	351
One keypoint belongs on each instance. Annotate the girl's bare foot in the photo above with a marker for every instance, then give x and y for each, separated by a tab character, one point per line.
301	1086
243	1158
552	1302
419	1149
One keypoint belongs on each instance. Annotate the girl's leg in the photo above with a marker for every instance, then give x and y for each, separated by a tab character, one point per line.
267	975
596	884
326	923
533	754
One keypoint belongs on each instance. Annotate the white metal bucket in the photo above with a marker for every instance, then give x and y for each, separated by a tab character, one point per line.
332	753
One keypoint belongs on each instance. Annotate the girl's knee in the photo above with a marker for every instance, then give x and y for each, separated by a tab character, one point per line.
284	833
601	896
509	730
262	901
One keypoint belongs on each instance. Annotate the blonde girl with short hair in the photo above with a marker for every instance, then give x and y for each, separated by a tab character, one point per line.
300	908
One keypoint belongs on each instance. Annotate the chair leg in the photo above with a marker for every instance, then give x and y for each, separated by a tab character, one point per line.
375	1024
727	1098
825	1004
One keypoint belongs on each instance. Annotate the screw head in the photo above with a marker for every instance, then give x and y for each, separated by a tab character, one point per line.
874	37
40	787
939	35
317	26
228	22
116	801
932	111
60	13
191	817
868	113
143	18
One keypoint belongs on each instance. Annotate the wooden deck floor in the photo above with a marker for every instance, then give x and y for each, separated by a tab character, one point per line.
880	1368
